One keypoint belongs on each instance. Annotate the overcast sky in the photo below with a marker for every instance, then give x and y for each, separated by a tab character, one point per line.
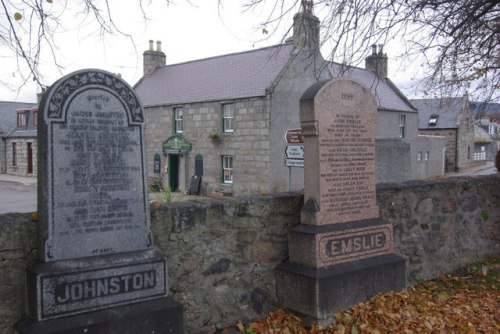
188	30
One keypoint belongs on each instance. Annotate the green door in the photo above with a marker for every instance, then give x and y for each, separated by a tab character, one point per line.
173	172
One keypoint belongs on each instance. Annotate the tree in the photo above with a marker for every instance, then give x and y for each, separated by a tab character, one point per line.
29	28
457	41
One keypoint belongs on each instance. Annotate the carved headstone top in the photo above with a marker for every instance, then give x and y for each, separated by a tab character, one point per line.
92	195
338	119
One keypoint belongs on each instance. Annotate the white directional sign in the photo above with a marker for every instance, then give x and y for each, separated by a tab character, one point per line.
294	162
294	152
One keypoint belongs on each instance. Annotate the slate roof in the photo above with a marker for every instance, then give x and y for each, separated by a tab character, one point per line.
448	110
232	76
242	75
481	135
388	96
481	107
8	117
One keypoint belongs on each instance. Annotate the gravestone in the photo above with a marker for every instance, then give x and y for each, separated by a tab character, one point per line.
341	253
97	269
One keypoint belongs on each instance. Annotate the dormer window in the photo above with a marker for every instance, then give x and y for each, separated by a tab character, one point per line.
433	120
22	117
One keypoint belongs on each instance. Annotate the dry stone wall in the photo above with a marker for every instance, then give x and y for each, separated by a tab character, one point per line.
222	253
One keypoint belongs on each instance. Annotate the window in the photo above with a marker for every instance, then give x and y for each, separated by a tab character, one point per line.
14	154
433	120
227	116
402	124
427	155
227	169
419	156
178	120
35	117
21	118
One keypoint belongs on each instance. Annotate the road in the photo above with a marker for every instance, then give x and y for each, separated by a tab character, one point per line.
485	171
17	197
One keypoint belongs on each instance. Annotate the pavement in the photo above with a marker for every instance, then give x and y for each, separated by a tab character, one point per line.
26	180
476	170
17	193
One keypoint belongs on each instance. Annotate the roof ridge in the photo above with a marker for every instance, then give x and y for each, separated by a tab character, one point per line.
227	55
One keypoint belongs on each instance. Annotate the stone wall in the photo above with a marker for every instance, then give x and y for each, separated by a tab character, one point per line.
21	167
451	146
222	252
465	138
392	160
248	144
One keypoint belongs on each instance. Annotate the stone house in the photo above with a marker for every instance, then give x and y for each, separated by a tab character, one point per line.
485	146
18	138
452	119
225	117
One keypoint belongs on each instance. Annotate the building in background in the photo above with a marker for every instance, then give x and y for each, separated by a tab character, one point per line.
224	118
450	118
18	138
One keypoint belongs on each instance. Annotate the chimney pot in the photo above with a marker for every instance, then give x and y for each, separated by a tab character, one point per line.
151	45
380	48
374	49
158	46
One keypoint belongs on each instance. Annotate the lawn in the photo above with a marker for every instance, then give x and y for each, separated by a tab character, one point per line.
467	301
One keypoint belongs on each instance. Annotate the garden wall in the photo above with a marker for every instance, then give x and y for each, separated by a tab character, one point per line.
222	252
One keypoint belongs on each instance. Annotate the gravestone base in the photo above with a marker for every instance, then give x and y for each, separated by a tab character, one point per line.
159	316
69	287
319	292
326	245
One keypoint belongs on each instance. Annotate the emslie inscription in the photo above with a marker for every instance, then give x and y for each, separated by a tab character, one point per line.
345	154
358	243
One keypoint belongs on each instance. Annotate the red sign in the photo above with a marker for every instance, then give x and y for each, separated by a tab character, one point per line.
293	136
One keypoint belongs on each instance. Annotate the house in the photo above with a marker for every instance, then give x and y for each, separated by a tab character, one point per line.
18	134
452	119
224	118
485	147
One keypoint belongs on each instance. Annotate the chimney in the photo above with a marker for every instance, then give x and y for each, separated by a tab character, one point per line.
306	28
377	61
153	59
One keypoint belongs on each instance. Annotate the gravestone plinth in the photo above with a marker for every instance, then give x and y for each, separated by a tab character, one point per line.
341	253
95	250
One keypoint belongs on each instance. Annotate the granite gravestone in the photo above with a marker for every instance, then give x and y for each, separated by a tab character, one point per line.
95	244
341	253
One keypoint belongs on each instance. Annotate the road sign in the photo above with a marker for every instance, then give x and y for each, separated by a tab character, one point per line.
294	151
293	136
294	162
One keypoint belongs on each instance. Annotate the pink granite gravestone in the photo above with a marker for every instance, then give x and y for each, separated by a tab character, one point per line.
341	236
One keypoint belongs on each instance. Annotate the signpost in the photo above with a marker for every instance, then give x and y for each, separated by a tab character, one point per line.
294	151
294	163
293	136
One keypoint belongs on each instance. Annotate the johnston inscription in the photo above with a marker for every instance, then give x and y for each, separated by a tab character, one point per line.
95	240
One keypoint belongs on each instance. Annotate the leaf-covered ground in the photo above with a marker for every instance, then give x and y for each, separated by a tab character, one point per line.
467	301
